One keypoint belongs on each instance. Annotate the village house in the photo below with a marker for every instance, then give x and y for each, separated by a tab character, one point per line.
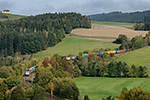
6	11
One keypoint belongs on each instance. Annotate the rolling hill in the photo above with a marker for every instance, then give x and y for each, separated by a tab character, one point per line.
133	17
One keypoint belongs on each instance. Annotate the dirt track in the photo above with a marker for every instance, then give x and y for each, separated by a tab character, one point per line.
108	31
13	18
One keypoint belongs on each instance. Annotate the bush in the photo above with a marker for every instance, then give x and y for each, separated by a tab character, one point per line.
65	88
121	37
86	97
134	94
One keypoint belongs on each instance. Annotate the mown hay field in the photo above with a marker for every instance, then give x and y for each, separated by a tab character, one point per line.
71	45
98	87
109	30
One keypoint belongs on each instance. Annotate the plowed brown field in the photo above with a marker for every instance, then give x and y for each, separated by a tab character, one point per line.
108	31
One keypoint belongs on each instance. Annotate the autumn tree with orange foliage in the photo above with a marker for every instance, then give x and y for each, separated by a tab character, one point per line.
66	67
45	62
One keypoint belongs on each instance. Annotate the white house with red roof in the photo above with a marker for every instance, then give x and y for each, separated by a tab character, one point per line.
6	11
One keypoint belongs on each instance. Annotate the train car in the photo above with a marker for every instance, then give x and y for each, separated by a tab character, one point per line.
129	49
121	51
126	50
73	57
67	58
85	55
70	58
109	52
96	53
77	56
89	54
117	51
114	51
30	70
100	53
27	73
35	66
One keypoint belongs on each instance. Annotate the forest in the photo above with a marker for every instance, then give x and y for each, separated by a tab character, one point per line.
132	17
35	33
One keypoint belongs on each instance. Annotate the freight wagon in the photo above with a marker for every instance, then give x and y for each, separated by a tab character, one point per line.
98	53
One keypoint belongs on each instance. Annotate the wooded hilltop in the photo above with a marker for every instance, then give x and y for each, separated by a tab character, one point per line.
118	16
35	33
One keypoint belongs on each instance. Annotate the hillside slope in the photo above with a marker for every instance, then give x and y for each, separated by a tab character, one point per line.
138	57
133	17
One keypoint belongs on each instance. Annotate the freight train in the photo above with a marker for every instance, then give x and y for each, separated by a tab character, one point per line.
98	54
30	70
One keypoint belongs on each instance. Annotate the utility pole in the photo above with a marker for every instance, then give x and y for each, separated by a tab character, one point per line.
22	73
79	45
51	90
82	94
106	33
31	79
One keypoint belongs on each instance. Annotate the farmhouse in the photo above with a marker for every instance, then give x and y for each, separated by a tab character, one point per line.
6	11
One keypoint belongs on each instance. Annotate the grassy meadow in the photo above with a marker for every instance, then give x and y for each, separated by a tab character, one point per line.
71	45
98	87
13	15
140	57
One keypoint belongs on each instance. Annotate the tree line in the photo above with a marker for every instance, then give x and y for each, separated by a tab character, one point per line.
35	33
135	43
133	17
142	26
104	66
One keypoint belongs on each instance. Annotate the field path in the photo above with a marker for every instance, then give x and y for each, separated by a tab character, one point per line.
108	31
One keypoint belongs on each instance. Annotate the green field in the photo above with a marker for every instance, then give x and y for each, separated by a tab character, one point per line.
112	23
98	87
72	45
130	28
13	15
137	57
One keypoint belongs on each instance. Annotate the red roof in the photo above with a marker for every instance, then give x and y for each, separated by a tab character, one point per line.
7	10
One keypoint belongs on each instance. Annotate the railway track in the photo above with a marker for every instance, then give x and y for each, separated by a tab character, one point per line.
27	82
